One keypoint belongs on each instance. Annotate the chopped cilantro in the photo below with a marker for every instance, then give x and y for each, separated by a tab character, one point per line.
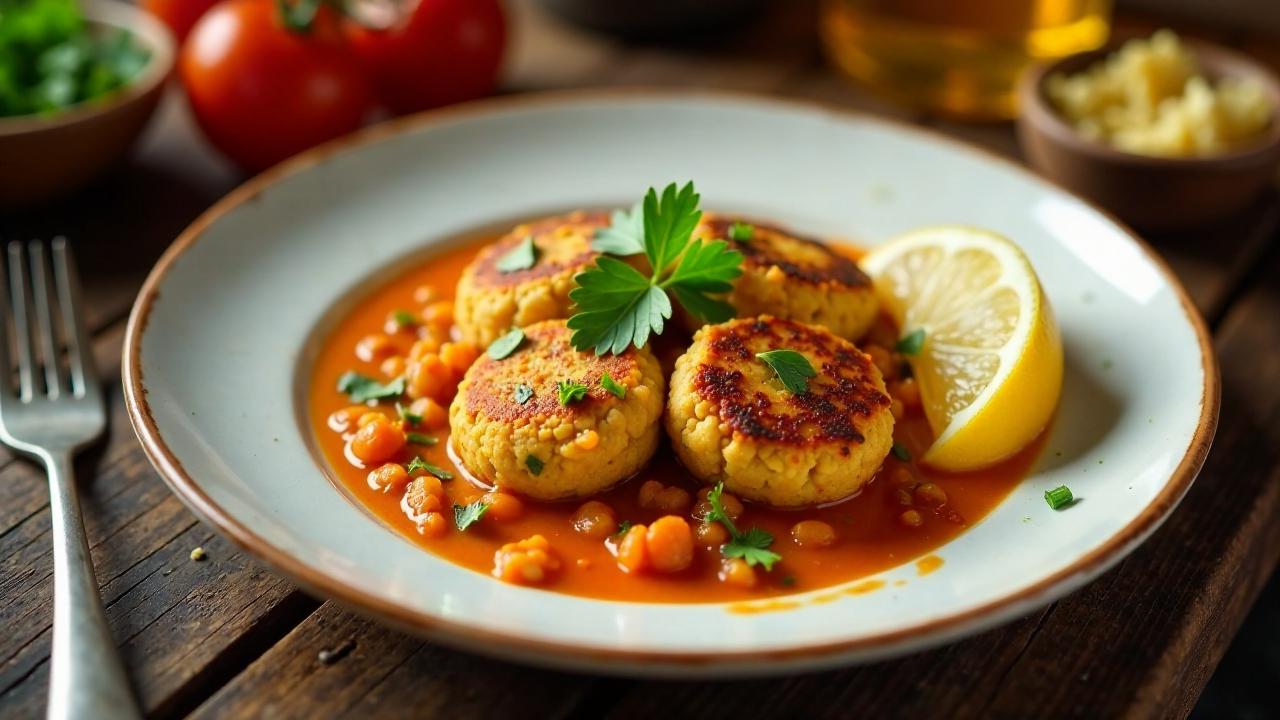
464	516
534	464
792	368
507	344
362	388
420	439
570	391
911	343
612	387
625	234
417	463
404	318
522	257
623	528
752	546
523	393
618	306
410	418
901	452
741	232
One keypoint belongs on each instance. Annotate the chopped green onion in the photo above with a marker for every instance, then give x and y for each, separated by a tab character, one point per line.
1059	497
741	232
420	439
570	391
612	387
534	464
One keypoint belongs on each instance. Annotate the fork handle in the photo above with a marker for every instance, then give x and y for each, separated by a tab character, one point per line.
86	679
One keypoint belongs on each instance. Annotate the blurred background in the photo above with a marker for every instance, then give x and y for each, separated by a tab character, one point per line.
121	122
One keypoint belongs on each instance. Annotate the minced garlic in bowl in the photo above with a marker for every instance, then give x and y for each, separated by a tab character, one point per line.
1150	98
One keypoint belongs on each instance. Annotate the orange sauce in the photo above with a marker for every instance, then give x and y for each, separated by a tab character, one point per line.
870	537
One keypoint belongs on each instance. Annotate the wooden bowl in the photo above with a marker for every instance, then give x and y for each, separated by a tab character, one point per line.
50	155
1153	193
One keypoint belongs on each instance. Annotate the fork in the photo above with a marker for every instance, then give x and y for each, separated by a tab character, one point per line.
55	409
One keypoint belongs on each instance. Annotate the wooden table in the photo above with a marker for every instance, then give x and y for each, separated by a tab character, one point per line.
227	638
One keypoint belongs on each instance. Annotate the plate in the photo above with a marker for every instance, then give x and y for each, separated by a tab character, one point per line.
221	337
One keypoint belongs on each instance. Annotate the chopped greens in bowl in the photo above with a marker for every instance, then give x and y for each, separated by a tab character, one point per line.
52	59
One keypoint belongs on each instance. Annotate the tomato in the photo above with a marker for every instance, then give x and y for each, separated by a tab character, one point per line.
438	52
179	15
262	92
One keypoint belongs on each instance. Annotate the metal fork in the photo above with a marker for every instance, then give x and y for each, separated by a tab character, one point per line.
49	411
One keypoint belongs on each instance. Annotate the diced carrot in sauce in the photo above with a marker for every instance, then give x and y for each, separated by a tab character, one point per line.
711	534
736	571
342	420
633	550
377	441
388	477
670	544
527	562
503	507
374	347
813	534
438	314
595	519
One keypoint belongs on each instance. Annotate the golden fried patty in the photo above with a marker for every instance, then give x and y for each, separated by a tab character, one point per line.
795	278
731	419
508	411
489	301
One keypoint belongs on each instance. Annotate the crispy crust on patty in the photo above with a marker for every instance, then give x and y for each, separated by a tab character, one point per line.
800	258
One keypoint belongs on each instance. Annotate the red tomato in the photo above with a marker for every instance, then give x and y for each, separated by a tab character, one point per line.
262	92
179	15
438	52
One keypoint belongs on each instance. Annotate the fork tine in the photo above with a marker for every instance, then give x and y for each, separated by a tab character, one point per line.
43	300
21	324
84	376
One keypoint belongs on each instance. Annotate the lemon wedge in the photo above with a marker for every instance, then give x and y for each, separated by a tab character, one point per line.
989	368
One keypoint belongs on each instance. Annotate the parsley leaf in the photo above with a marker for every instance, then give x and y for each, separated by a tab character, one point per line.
534	464
410	418
420	439
362	388
617	305
404	318
752	546
464	516
507	344
523	393
417	463
625	234
623	528
792	368
522	257
741	232
612	387
570	391
911	343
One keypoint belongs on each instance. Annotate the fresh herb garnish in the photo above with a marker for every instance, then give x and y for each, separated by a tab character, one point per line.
625	234
612	387
534	464
507	344
464	516
570	391
901	452
619	306
911	343
792	368
623	528
417	463
521	257
420	439
523	393
741	232
410	418
1059	497
362	388
789	581
752	546
404	318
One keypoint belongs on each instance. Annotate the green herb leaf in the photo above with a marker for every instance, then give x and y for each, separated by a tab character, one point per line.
792	368
717	513
612	387
507	344
362	388
570	391
752	546
1059	497
464	516
523	393
417	463
404	318
625	234
901	452
911	343
741	232
618	306
623	528
534	464
410	418
522	257
420	439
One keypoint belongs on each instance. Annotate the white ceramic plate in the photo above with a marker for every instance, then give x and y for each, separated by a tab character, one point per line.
218	340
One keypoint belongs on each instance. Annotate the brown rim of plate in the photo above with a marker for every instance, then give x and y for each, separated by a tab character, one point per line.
474	639
1215	61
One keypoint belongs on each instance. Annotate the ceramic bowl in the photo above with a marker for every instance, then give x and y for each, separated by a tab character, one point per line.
222	339
50	155
1149	192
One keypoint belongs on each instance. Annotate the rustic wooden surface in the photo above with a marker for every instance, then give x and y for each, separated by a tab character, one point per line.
227	638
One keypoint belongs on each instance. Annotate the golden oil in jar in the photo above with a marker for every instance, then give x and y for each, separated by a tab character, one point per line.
958	58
